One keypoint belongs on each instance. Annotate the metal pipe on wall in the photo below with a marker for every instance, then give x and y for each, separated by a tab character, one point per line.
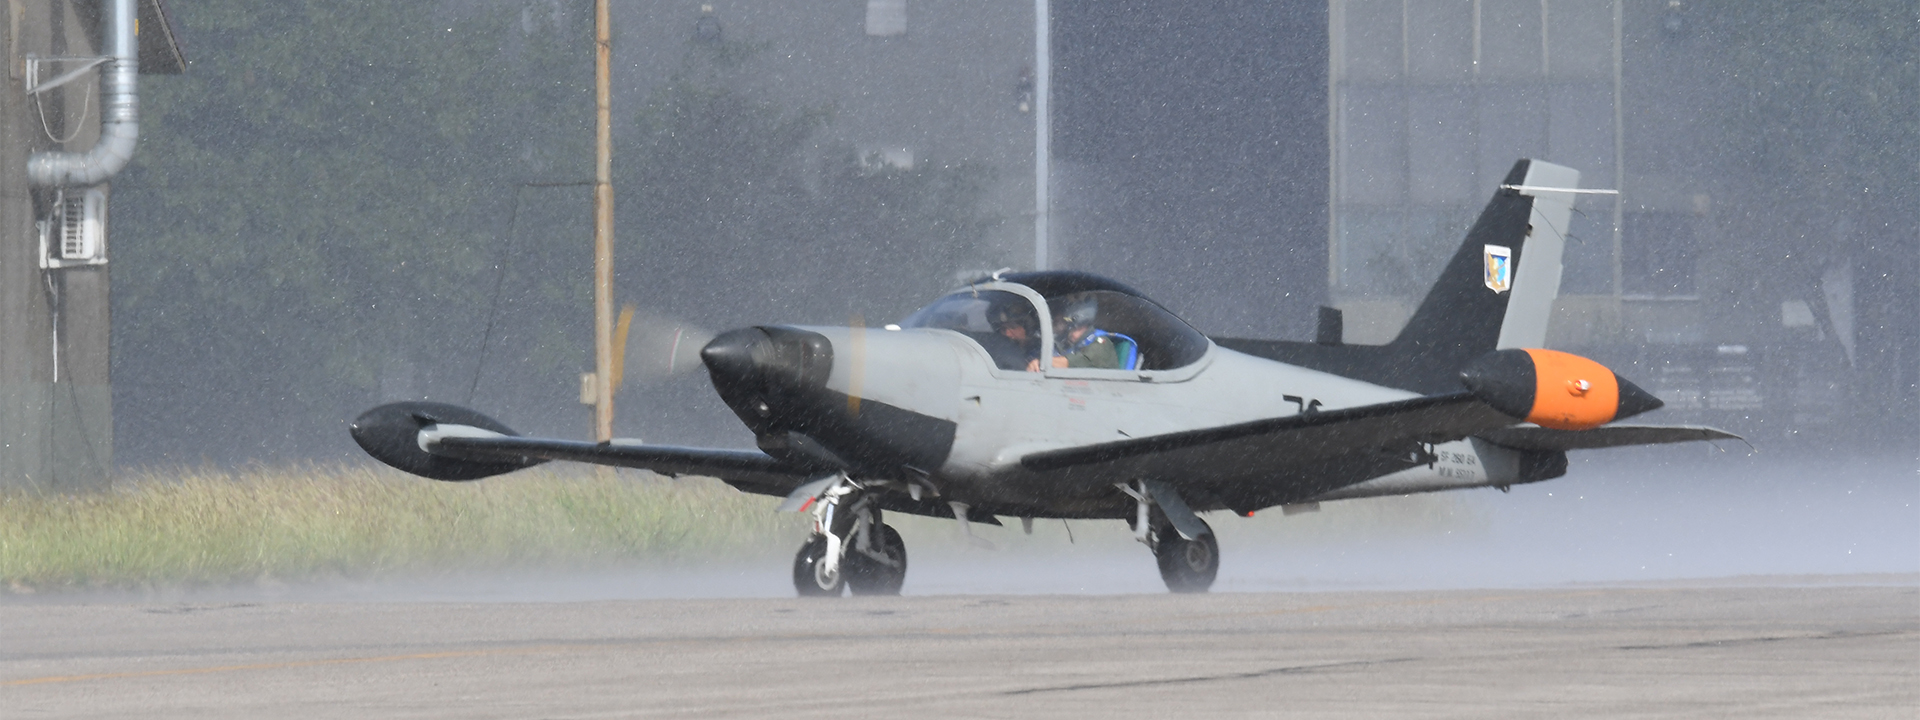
120	116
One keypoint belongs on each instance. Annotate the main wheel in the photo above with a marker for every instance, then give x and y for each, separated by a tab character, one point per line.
1187	566
810	575
868	576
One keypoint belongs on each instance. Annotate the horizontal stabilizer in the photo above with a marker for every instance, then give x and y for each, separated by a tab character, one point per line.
1548	439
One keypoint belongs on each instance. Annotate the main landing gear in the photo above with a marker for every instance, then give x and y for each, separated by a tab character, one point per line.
1186	566
851	549
1182	543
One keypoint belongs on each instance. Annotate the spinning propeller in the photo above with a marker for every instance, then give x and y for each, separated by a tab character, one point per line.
663	347
660	346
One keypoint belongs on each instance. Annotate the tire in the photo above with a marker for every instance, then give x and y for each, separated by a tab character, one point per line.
808	566
867	576
1187	566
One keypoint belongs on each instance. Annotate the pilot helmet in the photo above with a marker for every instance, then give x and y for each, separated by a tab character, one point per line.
1077	312
1013	312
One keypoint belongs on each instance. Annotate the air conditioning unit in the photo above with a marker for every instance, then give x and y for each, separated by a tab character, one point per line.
74	234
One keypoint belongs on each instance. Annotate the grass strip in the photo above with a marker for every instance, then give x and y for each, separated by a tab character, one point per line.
210	526
175	528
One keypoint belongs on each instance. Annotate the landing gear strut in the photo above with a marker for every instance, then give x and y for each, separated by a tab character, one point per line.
881	568
850	548
1182	543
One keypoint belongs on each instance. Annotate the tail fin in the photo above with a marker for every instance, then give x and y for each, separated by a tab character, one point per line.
1475	307
1498	290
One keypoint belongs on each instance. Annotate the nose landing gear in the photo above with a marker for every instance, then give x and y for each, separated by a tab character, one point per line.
850	548
880	569
812	575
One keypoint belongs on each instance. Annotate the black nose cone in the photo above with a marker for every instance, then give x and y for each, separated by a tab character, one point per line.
1634	400
768	360
730	356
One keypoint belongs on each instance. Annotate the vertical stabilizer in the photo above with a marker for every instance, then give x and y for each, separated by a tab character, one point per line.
1536	278
1496	292
1460	318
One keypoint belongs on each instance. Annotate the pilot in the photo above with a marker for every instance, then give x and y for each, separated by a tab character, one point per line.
1015	321
1077	344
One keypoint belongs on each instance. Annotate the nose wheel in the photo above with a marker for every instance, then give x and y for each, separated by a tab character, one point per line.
851	549
880	569
812	575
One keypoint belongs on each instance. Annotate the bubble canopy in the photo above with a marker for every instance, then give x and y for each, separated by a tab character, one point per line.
1007	323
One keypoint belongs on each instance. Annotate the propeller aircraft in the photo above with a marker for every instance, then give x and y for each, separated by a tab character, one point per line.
973	409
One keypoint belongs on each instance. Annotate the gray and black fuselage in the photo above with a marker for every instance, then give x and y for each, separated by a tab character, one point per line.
945	399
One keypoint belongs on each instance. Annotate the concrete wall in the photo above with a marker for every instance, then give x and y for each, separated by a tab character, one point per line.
56	417
1432	102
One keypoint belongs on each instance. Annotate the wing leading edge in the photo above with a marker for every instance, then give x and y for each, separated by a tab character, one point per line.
1257	464
749	470
1252	465
1304	436
448	442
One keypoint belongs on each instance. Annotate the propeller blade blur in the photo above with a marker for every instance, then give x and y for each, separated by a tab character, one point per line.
659	347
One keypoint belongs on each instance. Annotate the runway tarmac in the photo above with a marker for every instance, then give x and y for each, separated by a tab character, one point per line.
1763	648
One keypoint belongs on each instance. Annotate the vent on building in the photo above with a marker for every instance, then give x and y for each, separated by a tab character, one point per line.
75	232
886	18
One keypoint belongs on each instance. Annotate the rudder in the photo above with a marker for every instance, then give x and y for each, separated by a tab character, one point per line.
1472	309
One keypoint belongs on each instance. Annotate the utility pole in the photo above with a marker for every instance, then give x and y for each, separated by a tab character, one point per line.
1042	132
602	226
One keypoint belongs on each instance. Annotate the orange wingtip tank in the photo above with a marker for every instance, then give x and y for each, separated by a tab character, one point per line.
1554	389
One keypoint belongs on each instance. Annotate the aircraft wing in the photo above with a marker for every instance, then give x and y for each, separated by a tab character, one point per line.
1293	438
1548	439
447	442
749	470
1265	462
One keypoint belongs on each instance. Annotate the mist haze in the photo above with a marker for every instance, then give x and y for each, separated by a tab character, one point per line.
343	205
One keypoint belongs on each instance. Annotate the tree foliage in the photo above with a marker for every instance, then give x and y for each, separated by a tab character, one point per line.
741	211
303	210
343	203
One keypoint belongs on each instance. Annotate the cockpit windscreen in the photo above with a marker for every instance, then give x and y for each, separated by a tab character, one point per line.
1003	323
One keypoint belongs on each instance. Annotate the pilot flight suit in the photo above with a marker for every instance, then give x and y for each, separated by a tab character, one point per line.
1094	351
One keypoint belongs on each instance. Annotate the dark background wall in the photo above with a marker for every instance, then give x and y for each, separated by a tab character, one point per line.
1190	155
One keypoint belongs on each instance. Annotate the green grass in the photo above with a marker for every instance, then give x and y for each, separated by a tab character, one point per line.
211	526
160	529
